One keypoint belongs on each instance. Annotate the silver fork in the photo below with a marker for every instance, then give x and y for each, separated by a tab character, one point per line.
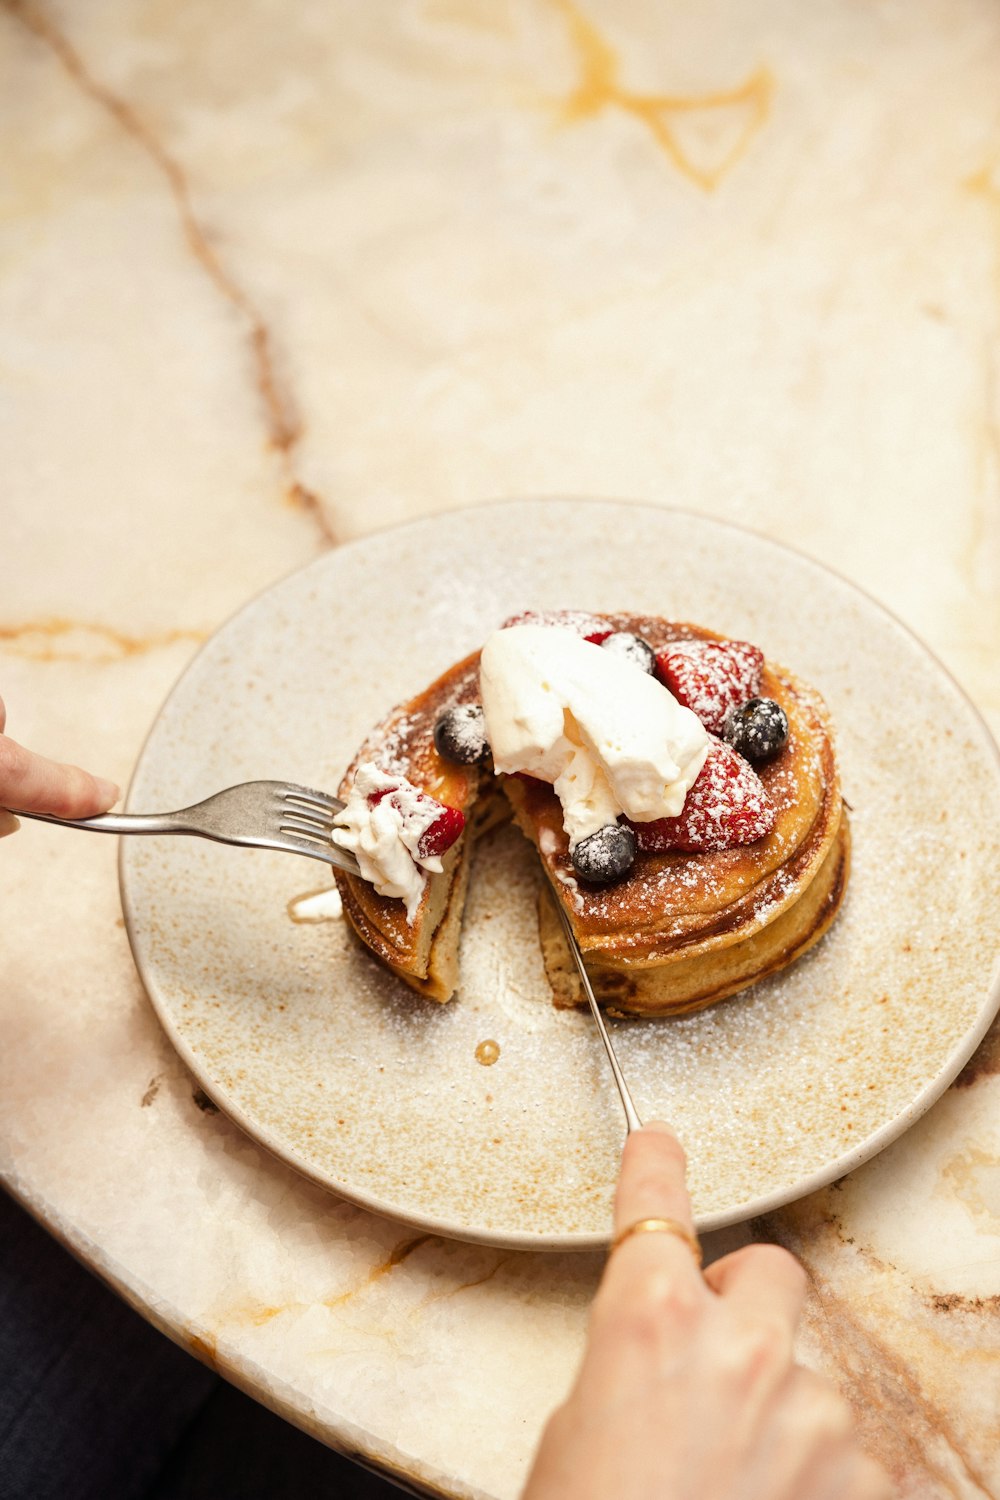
261	814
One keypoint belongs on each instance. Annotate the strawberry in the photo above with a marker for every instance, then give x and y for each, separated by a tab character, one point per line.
439	834
589	626
442	833
727	805
711	677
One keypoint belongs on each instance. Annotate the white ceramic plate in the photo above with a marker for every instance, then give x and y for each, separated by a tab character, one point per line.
340	1070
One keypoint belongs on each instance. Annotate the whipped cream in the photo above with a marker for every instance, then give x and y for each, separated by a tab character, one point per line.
610	738
385	837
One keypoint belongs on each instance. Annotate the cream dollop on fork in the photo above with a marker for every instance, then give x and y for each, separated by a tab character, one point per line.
384	833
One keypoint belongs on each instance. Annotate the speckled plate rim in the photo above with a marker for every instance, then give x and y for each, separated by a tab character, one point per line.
750	1208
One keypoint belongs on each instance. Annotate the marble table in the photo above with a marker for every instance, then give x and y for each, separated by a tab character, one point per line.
272	276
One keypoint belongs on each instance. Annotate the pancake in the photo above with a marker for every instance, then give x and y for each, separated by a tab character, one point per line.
690	983
681	930
424	952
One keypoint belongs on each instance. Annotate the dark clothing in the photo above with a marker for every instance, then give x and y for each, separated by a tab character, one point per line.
95	1404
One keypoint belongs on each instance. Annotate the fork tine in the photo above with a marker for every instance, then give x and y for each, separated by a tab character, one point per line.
322	822
297	843
305	830
305	794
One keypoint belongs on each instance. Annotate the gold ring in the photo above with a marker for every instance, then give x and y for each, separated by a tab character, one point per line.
659	1226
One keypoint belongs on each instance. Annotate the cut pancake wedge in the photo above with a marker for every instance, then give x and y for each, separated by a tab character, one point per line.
424	952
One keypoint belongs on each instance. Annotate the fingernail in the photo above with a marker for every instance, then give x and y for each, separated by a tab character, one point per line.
660	1125
8	822
107	790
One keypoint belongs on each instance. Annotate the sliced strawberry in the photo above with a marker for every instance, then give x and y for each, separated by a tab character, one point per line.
711	677
590	627
438	835
727	805
442	833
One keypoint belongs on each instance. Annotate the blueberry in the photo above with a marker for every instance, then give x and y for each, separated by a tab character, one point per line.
634	649
757	729
460	734
606	855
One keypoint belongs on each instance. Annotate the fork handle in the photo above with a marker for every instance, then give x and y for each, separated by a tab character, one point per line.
118	822
178	822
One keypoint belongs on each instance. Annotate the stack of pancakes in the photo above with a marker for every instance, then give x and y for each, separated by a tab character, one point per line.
681	930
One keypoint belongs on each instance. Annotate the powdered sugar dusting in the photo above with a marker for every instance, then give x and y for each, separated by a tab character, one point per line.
390	743
726	806
711	677
465	737
578	620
